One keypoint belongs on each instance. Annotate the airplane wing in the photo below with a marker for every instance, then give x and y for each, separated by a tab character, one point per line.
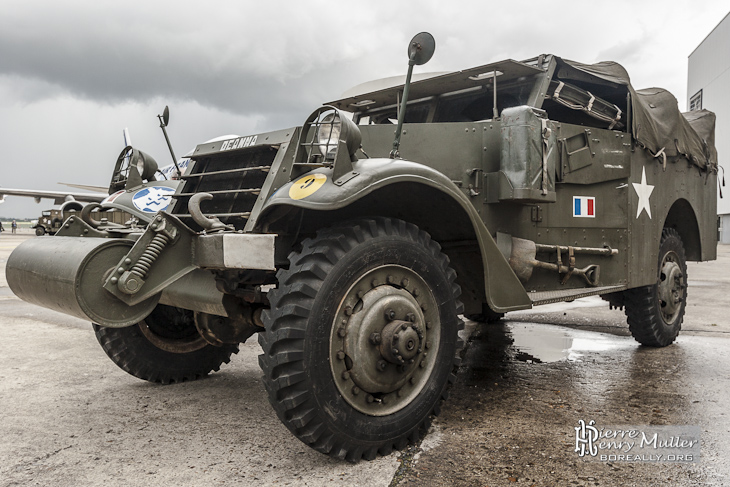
88	187
59	197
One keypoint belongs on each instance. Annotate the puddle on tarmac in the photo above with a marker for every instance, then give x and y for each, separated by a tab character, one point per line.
535	343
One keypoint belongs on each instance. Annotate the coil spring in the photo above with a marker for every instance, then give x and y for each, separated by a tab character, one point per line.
150	254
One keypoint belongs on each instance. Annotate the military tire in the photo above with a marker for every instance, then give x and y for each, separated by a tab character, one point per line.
337	387
655	312
40	231
165	347
486	316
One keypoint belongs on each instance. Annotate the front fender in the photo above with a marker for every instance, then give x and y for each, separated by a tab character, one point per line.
317	191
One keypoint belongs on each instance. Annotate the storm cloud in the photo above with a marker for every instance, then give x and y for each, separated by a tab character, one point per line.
74	73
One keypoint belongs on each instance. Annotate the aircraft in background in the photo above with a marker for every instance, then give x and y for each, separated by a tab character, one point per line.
68	200
72	201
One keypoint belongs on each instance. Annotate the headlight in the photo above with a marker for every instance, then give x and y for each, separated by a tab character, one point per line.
328	134
328	138
144	163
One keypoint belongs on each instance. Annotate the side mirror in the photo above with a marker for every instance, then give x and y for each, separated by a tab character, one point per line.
421	48
166	116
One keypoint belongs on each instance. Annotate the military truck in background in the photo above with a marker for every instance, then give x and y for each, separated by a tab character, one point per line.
354	243
52	220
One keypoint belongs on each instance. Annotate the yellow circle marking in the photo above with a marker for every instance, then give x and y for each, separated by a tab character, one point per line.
306	186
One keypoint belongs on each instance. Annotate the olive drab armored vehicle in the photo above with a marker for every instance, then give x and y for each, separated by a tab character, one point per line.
354	244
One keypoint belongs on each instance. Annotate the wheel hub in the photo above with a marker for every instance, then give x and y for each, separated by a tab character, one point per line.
382	333
401	342
671	289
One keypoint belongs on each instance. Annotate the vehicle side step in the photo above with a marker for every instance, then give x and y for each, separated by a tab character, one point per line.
547	297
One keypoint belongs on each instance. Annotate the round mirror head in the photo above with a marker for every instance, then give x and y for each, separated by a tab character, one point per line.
166	116
421	48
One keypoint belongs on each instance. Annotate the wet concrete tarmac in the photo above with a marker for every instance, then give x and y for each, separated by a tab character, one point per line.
511	417
70	417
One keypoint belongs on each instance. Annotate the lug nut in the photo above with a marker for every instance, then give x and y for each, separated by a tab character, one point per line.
370	398
404	327
375	338
348	310
341	355
342	332
404	282
412	380
416	292
389	315
382	364
346	375
355	391
428	345
428	325
411	317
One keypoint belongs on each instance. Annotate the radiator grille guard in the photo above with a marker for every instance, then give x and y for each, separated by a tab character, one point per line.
234	179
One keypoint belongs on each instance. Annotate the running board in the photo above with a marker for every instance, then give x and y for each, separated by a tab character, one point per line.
547	297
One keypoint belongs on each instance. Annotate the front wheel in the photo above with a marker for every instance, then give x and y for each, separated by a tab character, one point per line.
40	231
165	347
361	341
655	312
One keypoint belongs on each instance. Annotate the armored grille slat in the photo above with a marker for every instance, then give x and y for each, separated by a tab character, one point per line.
235	181
218	215
229	171
226	191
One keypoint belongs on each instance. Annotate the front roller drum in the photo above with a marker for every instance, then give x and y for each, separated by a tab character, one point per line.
67	274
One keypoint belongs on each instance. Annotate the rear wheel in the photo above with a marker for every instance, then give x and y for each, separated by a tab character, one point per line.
361	339
165	347
655	312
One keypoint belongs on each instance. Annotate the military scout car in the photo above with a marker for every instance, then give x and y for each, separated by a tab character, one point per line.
353	244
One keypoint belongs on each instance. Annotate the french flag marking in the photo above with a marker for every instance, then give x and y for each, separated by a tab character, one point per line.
584	206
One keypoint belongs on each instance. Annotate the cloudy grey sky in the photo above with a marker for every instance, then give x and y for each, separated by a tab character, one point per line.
74	73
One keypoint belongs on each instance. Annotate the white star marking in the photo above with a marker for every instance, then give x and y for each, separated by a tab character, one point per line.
643	191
